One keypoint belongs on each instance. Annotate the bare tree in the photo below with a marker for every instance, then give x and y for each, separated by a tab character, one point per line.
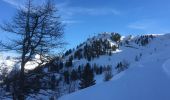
38	30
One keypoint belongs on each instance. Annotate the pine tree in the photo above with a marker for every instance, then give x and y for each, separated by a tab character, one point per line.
119	67
79	72
74	75
53	82
114	47
61	65
101	69
69	63
116	37
87	78
122	66
67	77
108	73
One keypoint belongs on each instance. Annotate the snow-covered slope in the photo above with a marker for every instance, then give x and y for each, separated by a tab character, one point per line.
9	62
147	76
137	83
130	52
146	79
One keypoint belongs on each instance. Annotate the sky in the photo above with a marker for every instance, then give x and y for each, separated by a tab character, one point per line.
86	18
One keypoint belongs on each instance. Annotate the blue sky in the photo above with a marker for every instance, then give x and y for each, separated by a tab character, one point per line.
85	18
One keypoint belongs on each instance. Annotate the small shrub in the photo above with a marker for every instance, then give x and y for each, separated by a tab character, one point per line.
108	73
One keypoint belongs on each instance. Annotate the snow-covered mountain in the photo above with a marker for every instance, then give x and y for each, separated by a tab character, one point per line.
145	76
9	62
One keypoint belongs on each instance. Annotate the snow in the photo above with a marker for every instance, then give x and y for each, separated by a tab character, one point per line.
9	62
166	67
146	79
136	83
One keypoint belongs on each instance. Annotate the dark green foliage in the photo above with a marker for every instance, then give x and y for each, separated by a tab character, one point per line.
138	57
79	72
78	54
144	40
35	80
74	75
54	66
114	48
98	70
69	63
87	78
37	84
67	77
68	52
122	66
127	42
116	37
119	67
97	48
108	73
61	65
110	53
53	82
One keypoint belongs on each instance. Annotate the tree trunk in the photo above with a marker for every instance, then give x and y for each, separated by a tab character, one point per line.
21	83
